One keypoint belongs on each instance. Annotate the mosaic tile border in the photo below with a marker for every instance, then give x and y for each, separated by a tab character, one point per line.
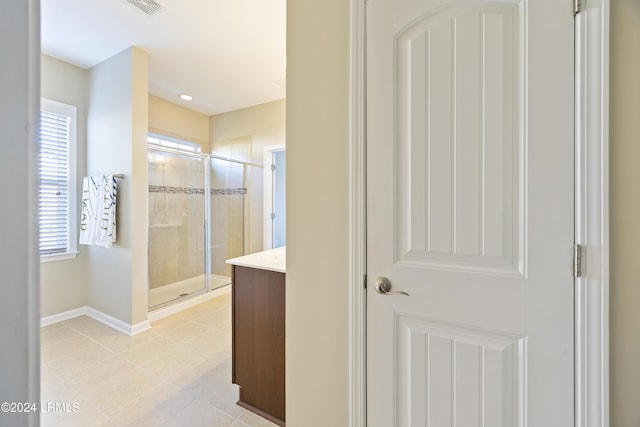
189	190
228	191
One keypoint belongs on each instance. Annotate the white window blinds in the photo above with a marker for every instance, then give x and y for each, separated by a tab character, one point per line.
57	132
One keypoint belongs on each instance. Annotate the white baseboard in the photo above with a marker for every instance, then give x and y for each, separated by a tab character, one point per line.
118	324
126	328
161	313
61	317
101	317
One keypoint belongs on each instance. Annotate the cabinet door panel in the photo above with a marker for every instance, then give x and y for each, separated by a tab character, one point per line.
258	338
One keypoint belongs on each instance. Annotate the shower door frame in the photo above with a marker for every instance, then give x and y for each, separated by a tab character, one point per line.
208	270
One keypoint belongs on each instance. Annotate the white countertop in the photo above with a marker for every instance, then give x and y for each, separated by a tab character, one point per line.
272	259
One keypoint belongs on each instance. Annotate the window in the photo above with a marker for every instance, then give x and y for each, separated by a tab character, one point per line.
162	141
57	196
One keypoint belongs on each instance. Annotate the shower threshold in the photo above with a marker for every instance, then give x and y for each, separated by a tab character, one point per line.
176	291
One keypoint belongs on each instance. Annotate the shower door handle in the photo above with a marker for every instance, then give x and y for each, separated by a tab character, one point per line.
383	286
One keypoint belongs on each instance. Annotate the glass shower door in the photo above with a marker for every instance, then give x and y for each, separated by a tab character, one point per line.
177	260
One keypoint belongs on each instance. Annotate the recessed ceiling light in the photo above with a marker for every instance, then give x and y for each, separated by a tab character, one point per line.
186	97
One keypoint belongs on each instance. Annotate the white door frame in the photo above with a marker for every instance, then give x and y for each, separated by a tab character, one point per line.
591	210
267	193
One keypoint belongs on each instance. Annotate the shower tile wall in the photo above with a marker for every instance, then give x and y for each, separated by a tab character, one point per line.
227	214
242	149
176	219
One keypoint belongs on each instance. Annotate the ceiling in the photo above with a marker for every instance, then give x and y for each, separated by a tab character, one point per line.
227	54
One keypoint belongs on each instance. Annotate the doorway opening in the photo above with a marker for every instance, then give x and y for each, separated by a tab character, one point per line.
274	197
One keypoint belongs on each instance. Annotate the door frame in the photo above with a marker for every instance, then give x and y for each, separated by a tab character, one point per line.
267	190
591	210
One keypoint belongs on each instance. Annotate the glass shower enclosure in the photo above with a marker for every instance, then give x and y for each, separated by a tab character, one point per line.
196	221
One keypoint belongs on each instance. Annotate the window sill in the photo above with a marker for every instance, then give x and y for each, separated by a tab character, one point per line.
58	257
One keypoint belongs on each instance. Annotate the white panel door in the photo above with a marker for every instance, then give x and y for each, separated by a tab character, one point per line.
470	211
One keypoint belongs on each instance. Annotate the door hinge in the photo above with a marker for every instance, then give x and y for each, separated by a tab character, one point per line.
273	167
365	281
273	215
577	7
577	260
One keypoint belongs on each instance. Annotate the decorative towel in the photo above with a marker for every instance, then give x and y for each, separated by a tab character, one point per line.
98	216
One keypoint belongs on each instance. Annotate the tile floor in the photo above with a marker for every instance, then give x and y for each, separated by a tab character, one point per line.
178	373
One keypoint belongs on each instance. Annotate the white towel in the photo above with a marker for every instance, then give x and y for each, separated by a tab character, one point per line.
98	216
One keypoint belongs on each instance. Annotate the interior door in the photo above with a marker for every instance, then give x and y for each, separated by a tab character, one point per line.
470	211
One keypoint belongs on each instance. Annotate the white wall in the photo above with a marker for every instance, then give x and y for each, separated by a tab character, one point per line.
19	261
116	143
242	135
317	362
63	283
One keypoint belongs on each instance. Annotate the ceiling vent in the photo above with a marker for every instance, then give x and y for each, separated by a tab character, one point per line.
149	7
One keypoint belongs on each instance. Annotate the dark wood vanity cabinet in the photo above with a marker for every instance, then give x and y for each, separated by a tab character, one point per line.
258	311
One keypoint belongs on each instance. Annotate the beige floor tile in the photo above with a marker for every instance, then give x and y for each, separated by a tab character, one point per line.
96	374
214	386
101	333
153	408
76	360
49	375
225	397
122	389
253	420
55	333
205	307
187	331
158	353
58	393
178	373
180	366
79	413
83	323
199	413
214	318
149	350
218	372
222	301
120	343
65	347
171	321
203	310
214	346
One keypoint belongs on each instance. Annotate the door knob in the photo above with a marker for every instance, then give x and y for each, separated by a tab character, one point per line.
383	286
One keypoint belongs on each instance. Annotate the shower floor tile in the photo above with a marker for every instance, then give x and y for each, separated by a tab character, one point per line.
178	373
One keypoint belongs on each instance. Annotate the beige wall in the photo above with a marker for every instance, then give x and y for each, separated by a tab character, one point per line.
242	135
116	143
63	283
139	187
625	213
317	214
174	120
